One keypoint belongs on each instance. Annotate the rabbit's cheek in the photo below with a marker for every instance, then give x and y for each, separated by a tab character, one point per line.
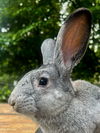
58	95
52	100
25	105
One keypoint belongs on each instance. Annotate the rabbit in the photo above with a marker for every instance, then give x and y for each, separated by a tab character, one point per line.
48	96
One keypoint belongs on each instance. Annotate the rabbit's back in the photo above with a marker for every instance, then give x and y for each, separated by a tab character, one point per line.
87	92
83	114
85	88
89	95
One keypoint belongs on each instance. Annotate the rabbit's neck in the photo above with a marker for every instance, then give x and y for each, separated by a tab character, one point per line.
55	123
69	120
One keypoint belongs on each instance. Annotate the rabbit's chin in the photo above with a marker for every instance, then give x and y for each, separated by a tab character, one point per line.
28	113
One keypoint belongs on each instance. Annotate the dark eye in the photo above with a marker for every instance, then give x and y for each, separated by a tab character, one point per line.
43	81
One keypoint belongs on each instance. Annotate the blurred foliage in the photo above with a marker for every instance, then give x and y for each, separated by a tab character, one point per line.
24	24
27	23
6	86
4	93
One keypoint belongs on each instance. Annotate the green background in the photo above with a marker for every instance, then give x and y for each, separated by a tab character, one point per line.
24	24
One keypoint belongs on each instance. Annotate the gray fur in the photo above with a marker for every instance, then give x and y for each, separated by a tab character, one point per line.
60	106
47	50
38	131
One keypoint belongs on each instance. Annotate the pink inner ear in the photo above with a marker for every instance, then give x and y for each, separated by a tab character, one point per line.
74	37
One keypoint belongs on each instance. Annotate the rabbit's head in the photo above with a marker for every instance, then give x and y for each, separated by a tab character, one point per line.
47	90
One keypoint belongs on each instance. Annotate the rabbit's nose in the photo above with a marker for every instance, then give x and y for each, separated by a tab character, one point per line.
11	102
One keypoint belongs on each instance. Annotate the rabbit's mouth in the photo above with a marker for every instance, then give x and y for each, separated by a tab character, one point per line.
26	109
25	105
15	107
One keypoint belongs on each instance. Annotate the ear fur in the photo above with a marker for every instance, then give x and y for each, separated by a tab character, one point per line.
72	39
47	50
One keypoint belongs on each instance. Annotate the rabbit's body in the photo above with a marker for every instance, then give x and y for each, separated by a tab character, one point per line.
81	116
47	95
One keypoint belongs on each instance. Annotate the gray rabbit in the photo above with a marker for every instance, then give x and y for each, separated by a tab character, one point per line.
48	96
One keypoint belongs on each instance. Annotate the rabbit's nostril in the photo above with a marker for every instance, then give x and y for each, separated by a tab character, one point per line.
12	100
12	104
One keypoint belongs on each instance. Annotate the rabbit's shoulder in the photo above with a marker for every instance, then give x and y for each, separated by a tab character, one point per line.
84	85
88	98
87	91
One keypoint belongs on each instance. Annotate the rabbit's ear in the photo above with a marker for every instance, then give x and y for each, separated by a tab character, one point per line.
47	50
72	39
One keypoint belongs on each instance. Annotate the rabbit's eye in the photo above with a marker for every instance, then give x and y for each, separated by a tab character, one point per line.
43	81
